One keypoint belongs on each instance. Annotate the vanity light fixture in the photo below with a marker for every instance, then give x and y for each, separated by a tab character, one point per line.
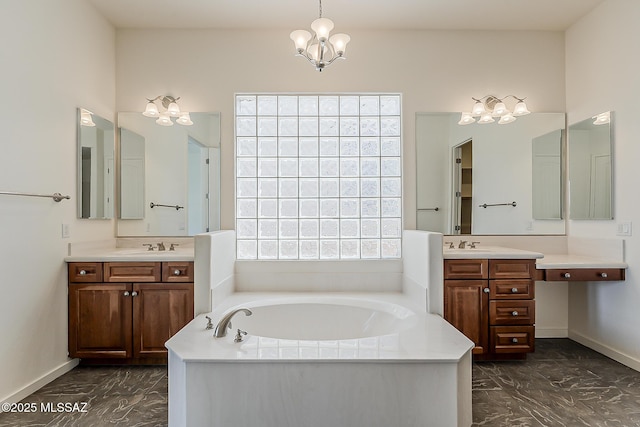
86	118
602	118
172	110
489	106
320	49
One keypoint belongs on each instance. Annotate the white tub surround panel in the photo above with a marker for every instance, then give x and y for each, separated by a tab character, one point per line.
422	268
213	275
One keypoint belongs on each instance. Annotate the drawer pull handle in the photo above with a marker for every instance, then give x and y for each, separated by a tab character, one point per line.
176	272
514	313
134	294
604	275
566	275
514	290
485	290
514	340
126	293
83	272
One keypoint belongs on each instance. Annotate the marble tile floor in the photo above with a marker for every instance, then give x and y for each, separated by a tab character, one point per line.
562	384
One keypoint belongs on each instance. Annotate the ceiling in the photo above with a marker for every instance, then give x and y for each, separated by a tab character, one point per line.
548	15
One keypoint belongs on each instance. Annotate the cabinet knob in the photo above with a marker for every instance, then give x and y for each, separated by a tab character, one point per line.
514	313
514	340
604	275
82	272
485	290
176	272
126	293
134	294
514	290
567	275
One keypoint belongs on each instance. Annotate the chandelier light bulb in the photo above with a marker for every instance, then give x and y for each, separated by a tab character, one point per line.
151	110
499	109
184	119
300	39
491	106
339	42
173	109
322	28
486	118
521	109
466	119
478	108
506	118
164	120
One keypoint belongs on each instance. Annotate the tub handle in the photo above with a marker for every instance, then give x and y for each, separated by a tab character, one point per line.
239	335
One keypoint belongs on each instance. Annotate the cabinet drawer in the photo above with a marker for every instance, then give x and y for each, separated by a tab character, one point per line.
511	289
512	268
584	274
466	269
512	312
177	271
132	271
512	339
85	272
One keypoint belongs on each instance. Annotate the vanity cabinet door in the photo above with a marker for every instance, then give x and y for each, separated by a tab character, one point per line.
159	311
100	320
466	307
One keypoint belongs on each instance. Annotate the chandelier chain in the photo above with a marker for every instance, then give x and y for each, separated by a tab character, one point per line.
320	7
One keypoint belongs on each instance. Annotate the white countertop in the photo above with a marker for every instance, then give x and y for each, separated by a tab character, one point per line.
559	261
489	252
128	254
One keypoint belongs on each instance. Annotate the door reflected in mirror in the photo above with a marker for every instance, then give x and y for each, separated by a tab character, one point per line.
96	139
169	176
590	168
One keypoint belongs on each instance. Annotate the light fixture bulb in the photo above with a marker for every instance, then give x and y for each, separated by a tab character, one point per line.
322	28
151	110
478	108
164	120
506	118
486	118
466	119
499	109
173	109
86	119
339	42
184	119
521	109
300	39
602	118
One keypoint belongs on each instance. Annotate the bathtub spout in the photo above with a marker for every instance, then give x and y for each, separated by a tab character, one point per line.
225	322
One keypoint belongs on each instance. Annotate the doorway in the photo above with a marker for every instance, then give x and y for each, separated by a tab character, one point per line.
462	188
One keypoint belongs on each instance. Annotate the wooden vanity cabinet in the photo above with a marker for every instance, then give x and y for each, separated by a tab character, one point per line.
131	312
492	302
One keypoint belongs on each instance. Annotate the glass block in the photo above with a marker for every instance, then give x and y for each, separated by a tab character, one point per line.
390	105
288	167
245	105
288	126
390	166
350	248
267	126
369	106
308	126
246	167
309	208
391	207
369	166
267	249
287	105
391	187
349	167
247	208
349	126
247	187
370	228
309	249
267	105
267	147
267	187
309	187
390	146
370	147
308	167
370	248
349	207
349	187
246	146
391	248
288	228
246	249
391	227
309	228
329	126
308	147
267	208
247	228
328	167
288	147
288	249
329	208
328	106
370	126
308	105
329	228
267	167
329	187
390	126
329	249
328	146
370	187
349	105
245	126
349	147
349	228
370	207
288	208
268	229
288	187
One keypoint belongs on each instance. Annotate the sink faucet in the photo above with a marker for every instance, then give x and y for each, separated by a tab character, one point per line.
225	322
161	246
462	244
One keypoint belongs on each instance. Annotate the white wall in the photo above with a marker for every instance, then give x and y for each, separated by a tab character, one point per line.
602	62
56	56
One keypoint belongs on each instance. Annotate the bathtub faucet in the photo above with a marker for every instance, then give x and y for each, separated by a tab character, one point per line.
225	322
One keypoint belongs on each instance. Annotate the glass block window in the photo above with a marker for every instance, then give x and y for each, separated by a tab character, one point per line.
318	176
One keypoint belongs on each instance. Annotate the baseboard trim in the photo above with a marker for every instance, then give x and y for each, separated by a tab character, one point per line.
36	385
551	333
616	355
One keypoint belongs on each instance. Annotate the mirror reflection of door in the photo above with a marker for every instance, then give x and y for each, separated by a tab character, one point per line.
462	187
198	187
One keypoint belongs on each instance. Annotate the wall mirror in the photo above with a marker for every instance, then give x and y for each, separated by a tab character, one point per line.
590	188
169	181
96	139
490	179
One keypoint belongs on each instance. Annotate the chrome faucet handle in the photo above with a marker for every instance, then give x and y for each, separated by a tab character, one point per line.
161	246
173	246
239	335
151	247
209	323
473	245
450	245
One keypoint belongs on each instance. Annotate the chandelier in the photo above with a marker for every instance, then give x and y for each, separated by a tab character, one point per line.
171	110
320	49
489	106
